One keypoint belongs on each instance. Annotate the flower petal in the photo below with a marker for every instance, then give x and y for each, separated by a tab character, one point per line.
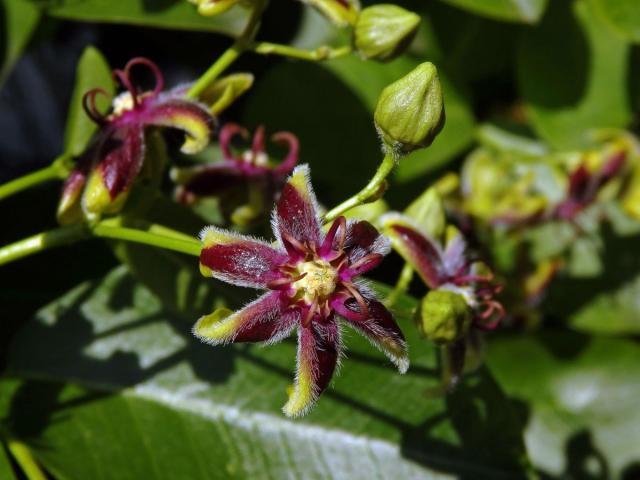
206	181
263	320
296	214
69	210
120	157
381	330
364	239
239	259
319	348
190	117
423	253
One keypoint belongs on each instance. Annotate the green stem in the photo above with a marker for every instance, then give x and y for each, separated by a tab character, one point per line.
368	194
175	243
24	458
51	172
242	43
320	53
42	241
401	285
154	235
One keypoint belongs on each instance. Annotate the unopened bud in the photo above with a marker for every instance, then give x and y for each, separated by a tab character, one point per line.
384	31
444	316
410	111
213	7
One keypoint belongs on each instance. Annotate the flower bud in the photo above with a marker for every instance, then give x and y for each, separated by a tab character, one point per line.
384	31
410	111
444	316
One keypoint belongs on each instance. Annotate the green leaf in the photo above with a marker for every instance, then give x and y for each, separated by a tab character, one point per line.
622	15
149	401
526	11
6	471
607	304
20	18
578	397
175	14
92	71
572	71
458	130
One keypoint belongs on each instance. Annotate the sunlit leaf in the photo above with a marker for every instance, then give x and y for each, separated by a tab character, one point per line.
572	72
578	396
150	401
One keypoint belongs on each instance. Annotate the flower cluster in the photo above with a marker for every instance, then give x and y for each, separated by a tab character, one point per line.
312	285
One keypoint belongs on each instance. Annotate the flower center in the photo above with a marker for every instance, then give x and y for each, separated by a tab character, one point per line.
122	103
260	159
319	282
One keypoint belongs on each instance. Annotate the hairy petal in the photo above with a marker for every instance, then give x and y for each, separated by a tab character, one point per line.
190	117
364	239
318	352
415	247
239	259
263	320
382	331
296	214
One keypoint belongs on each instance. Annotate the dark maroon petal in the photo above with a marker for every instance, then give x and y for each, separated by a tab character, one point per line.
190	117
296	214
364	239
382	330
239	259
121	157
578	182
318	352
264	320
417	249
213	180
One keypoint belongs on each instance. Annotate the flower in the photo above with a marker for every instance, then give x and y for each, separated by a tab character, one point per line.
252	168
585	185
105	173
312	286
447	269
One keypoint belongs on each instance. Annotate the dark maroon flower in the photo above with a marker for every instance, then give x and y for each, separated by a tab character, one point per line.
105	173
449	268
252	169
311	282
585	185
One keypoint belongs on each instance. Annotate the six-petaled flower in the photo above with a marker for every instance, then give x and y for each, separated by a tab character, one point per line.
312	286
105	173
449	268
252	169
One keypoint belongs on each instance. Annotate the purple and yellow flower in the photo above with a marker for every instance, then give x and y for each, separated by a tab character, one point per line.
105	173
585	185
312	286
449	268
252	168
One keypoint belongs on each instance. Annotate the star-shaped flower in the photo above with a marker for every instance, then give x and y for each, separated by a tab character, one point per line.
448	268
312	286
252	168
104	174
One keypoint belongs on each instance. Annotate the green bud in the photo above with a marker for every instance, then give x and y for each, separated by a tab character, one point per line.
384	31
410	111
341	13
444	316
